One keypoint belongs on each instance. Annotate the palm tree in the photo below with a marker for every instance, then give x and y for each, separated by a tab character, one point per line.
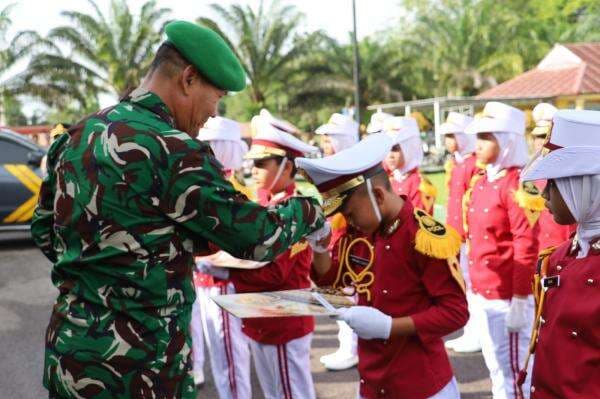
266	42
323	80
465	45
106	54
11	51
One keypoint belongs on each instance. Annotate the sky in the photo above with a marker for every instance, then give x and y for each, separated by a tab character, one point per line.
332	16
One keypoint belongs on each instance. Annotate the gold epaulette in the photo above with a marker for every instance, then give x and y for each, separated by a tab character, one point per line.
239	187
427	187
338	222
434	238
529	199
428	192
298	247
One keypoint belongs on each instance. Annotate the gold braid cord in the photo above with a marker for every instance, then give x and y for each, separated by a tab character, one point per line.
347	277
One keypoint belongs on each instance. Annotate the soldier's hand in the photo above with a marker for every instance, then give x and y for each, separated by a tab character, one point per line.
319	239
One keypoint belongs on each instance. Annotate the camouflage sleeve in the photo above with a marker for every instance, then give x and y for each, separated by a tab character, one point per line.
197	196
43	217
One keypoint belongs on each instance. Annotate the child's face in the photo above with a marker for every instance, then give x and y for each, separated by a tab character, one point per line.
327	146
395	158
451	144
538	143
487	148
265	171
556	204
359	212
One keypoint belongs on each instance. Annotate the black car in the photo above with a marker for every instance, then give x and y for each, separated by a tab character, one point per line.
20	180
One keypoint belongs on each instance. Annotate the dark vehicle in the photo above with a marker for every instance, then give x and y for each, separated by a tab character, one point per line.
20	180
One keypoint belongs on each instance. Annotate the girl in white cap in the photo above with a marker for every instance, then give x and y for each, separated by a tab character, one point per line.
403	162
502	239
460	169
566	338
228	347
340	133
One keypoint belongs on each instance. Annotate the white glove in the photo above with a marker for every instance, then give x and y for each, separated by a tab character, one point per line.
316	236
367	322
205	267
518	315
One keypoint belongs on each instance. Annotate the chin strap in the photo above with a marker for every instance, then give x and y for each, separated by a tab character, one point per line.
279	173
373	202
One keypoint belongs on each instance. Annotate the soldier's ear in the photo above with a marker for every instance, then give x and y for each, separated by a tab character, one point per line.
187	78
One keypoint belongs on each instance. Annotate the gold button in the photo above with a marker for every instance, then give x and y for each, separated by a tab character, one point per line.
542	320
590	281
573	334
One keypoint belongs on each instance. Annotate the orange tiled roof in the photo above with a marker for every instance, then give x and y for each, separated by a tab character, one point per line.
572	79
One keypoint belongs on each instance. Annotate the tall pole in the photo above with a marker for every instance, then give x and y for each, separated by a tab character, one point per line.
356	69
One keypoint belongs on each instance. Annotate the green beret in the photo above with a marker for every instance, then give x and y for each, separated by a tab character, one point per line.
209	53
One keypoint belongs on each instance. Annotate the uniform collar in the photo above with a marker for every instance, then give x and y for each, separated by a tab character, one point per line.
405	213
152	102
268	198
575	247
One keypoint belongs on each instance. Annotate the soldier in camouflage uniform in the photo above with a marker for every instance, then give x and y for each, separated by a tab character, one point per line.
129	198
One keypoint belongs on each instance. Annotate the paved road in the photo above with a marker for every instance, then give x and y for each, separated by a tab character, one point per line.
26	296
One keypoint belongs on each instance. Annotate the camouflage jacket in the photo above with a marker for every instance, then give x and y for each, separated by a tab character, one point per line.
127	202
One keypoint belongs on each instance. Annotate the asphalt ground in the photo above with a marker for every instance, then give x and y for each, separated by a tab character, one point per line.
26	297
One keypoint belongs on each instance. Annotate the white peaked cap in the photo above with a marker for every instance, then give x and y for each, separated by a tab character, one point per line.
264	117
401	128
219	128
336	175
272	138
498	117
339	124
542	116
376	123
456	123
572	147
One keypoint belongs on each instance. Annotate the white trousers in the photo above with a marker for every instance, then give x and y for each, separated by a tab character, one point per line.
196	330
227	345
450	391
284	370
471	329
504	352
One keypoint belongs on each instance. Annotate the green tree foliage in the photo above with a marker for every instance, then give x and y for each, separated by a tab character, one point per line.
104	54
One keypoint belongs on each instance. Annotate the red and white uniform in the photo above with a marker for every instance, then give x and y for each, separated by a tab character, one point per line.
408	283
459	178
410	185
503	248
228	347
280	345
551	233
567	356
